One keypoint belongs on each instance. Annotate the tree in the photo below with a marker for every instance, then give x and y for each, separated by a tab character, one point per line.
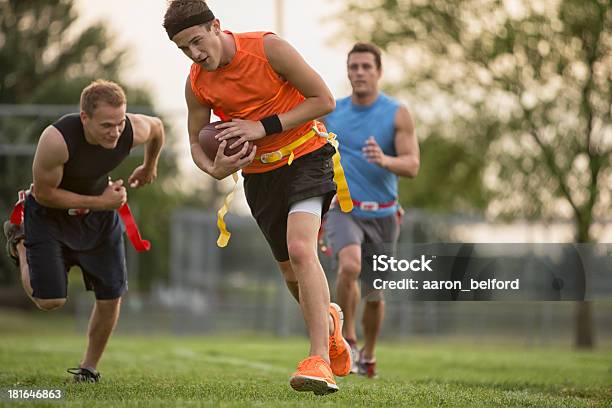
528	81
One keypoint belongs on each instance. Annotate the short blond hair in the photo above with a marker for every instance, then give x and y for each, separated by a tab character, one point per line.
104	91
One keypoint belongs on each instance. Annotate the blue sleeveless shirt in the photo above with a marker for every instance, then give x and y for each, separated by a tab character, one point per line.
354	124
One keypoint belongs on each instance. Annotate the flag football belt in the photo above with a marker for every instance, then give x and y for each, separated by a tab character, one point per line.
369	205
343	194
131	229
373	205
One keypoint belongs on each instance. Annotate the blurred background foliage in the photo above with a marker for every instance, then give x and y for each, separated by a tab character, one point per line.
512	100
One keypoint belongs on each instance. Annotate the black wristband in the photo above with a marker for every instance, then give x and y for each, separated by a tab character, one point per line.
272	124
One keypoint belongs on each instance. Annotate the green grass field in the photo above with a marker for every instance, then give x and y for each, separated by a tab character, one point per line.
165	371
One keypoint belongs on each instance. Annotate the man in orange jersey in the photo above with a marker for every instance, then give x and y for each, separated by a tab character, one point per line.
270	97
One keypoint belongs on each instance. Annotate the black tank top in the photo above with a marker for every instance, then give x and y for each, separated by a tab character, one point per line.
87	168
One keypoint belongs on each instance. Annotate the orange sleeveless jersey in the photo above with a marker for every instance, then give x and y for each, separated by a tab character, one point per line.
248	88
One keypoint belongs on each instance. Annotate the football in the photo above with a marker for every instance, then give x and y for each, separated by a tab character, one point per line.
210	145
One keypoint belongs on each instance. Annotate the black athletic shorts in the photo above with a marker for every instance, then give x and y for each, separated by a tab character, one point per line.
55	241
271	194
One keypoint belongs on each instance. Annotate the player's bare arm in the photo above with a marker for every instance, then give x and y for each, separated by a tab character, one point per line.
289	64
48	169
148	130
198	115
407	161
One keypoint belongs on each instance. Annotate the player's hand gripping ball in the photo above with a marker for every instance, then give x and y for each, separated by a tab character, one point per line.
210	145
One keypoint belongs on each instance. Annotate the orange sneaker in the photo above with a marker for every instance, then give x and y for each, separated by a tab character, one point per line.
339	348
314	374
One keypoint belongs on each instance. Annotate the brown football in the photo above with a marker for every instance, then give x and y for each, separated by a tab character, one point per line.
210	145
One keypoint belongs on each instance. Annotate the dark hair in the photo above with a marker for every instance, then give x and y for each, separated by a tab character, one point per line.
180	10
99	91
367	47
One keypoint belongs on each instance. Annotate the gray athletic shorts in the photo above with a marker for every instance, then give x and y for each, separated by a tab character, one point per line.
376	236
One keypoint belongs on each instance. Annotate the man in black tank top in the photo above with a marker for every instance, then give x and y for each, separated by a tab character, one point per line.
70	217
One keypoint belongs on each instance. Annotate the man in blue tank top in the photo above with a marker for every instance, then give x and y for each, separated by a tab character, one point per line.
69	216
377	144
